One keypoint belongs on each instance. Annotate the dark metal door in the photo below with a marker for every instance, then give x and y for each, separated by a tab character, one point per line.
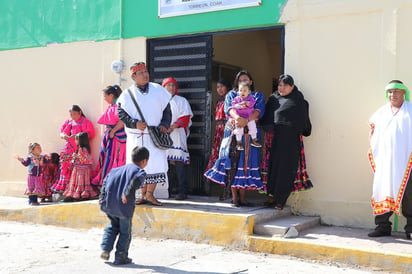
189	61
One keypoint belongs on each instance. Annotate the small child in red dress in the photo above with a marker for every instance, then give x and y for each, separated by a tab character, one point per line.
49	175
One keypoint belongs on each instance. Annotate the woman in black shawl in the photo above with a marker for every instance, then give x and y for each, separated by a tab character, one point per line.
288	112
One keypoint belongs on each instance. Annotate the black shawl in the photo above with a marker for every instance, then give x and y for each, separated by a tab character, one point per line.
290	110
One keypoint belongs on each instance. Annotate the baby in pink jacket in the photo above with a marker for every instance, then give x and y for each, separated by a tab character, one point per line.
244	105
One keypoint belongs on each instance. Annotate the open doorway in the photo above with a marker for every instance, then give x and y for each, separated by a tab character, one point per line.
197	62
261	52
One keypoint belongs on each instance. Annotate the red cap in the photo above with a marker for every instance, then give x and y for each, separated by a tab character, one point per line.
169	80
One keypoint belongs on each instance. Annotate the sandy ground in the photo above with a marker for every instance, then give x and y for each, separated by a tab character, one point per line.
30	248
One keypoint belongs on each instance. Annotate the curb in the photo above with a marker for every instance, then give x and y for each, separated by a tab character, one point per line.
230	229
367	258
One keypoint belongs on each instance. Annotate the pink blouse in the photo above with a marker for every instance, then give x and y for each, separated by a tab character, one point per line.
71	127
110	116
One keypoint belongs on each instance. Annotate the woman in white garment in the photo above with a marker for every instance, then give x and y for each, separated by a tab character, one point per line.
153	101
178	154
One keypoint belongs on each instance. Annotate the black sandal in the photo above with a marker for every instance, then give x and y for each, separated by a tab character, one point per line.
153	202
269	204
247	204
141	202
234	204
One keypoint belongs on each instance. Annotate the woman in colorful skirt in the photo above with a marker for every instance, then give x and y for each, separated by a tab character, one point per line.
222	88
287	114
239	170
113	147
76	124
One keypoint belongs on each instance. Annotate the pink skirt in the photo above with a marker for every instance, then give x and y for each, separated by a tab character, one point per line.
34	186
79	185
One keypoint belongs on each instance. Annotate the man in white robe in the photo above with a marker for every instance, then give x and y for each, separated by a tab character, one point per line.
153	101
178	154
391	159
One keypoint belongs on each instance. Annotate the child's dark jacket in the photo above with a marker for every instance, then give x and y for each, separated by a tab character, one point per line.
122	180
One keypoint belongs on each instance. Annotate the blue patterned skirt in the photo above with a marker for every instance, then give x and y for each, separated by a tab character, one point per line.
238	168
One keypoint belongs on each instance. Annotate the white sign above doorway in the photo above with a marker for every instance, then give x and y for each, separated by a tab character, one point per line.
169	8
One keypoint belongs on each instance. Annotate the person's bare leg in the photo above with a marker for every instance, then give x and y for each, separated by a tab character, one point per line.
142	199
149	194
235	197
242	196
222	194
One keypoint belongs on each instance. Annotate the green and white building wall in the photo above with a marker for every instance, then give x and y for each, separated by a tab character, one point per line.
56	53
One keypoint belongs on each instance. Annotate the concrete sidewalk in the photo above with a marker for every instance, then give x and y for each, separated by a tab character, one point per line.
205	220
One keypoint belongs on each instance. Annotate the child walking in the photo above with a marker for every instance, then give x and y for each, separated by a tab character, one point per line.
79	185
34	161
117	200
244	105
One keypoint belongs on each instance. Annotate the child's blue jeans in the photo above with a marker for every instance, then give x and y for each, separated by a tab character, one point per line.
121	227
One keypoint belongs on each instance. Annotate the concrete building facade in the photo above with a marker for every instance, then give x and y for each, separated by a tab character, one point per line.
341	54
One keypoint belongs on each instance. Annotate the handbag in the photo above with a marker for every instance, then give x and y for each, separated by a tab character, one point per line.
160	140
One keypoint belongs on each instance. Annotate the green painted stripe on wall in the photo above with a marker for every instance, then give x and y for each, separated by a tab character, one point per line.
141	19
37	23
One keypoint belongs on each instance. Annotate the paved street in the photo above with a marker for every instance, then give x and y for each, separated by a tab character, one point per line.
29	248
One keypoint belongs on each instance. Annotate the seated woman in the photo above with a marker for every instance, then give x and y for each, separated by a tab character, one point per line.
75	124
